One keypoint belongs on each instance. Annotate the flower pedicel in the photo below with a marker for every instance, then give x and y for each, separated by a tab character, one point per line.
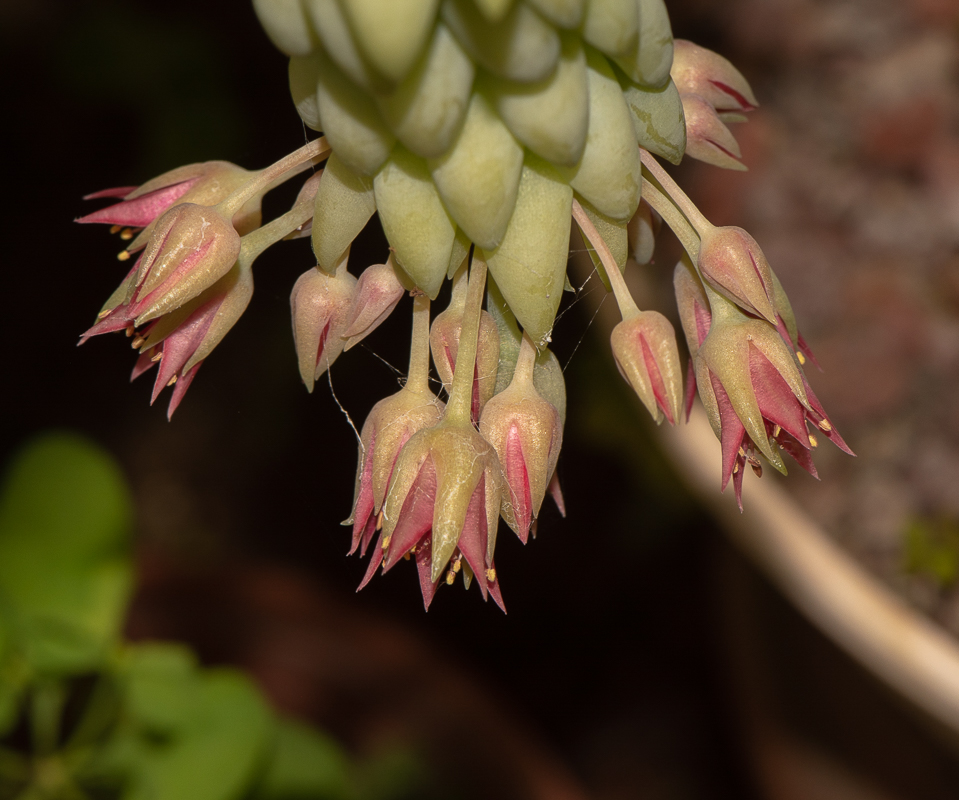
479	131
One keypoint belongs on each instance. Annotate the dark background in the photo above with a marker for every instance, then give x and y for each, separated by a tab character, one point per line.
627	666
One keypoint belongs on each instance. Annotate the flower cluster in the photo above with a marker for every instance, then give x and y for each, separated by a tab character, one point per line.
479	132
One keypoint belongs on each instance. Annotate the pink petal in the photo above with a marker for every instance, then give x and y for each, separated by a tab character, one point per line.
690	387
424	566
738	481
703	321
656	379
801	455
416	516
777	403
139	212
517	476
495	593
179	390
376	558
144	363
556	492
473	538
732	430
120	191
364	520
819	415
180	345
807	351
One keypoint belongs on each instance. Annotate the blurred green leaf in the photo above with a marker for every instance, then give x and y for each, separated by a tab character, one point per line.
65	512
932	549
305	765
189	734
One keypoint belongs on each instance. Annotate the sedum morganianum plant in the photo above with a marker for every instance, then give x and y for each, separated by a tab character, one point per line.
479	131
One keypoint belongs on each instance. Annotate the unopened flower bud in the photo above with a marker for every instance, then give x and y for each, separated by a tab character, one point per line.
692	303
192	247
707	137
319	304
378	290
527	434
733	264
696	70
641	232
644	347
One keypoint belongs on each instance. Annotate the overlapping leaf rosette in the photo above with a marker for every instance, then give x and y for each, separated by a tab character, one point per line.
478	131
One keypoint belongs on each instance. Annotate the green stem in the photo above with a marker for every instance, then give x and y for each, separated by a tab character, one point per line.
678	196
418	380
459	407
526	361
627	307
255	242
275	174
673	217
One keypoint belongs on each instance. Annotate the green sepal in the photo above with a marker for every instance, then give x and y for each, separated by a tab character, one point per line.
415	222
351	121
344	204
529	266
658	119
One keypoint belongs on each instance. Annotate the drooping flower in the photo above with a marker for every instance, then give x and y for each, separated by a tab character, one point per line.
390	424
377	292
526	431
319	304
756	397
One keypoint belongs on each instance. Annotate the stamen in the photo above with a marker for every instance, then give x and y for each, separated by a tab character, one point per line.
104	313
115	228
172	381
776	431
126	234
812	441
491	575
129	330
735	467
406	556
742	452
450	577
157	357
379	522
825	426
137	343
386	542
457	565
123	255
801	357
757	468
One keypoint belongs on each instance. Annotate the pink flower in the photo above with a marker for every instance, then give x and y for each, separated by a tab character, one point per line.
757	399
443	508
180	340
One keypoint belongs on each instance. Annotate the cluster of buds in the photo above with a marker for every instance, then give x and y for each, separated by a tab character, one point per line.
478	131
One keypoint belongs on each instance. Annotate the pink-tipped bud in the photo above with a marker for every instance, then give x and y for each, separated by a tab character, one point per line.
731	261
319	305
378	290
192	247
641	233
707	137
527	434
444	343
693	305
644	347
696	70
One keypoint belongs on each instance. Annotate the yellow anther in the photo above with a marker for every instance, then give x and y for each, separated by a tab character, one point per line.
137	343
801	357
115	228
735	468
104	313
825	426
130	330
457	565
812	441
126	234
386	542
491	575
172	381
157	357
379	520
776	431
123	255
757	468
742	452
406	556
450	577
